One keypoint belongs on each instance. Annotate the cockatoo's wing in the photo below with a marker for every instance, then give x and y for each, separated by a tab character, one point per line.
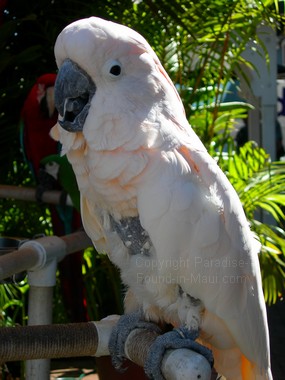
153	198
202	239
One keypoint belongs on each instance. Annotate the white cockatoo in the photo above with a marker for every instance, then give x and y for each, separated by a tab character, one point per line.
154	199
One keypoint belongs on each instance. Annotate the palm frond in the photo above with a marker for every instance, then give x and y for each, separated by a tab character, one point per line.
260	186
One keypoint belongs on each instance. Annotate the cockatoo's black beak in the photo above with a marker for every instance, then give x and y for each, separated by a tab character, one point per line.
73	92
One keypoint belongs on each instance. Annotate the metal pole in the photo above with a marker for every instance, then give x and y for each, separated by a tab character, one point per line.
41	282
31	253
39	313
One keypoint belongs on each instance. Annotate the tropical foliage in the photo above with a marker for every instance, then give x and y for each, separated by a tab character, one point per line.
260	186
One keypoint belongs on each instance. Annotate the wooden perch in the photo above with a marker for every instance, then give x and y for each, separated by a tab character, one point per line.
29	194
91	339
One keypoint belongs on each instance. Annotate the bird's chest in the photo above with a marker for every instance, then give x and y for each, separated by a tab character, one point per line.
107	179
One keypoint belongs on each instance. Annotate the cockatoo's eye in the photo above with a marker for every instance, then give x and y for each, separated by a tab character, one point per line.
74	90
113	69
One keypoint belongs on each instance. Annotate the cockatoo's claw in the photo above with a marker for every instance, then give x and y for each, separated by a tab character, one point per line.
175	339
120	332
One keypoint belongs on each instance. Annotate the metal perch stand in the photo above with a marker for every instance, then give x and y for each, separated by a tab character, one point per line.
40	257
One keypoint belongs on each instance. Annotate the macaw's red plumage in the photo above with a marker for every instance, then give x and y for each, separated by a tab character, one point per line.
38	116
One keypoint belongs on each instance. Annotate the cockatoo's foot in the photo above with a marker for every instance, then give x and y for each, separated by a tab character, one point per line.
177	338
121	331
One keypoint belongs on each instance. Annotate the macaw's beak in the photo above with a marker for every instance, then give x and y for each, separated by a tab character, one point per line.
73	92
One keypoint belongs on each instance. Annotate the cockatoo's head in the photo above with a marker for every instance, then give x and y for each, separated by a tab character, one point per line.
109	76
